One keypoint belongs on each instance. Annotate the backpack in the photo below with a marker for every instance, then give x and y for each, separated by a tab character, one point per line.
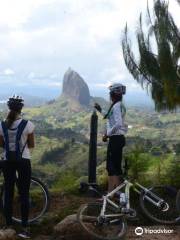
20	129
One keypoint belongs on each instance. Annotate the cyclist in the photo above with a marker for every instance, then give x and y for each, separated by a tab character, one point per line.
16	137
115	132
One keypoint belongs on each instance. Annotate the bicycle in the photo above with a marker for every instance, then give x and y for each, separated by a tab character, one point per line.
107	220
38	198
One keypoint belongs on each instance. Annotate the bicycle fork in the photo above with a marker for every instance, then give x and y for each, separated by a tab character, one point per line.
151	197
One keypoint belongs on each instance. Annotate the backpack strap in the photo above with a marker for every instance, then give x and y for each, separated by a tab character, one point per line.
6	138
123	109
20	130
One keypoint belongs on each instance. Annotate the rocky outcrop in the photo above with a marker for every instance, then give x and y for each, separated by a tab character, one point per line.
8	234
70	229
75	87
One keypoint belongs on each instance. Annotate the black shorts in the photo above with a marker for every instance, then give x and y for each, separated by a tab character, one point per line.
114	155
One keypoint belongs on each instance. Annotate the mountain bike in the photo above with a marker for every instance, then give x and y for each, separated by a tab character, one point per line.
107	220
38	199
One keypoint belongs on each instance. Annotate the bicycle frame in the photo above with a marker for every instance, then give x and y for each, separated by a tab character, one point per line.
150	196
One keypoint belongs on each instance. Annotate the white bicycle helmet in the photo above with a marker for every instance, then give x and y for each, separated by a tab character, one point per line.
15	103
117	88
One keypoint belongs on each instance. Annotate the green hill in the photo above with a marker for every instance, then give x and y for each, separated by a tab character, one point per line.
62	136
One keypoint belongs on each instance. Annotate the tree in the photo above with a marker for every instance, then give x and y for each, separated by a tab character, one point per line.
158	68
137	161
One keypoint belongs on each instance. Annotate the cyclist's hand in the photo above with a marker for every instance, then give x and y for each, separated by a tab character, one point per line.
105	138
98	107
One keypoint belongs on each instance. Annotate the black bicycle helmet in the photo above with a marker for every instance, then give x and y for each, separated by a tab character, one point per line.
117	89
15	103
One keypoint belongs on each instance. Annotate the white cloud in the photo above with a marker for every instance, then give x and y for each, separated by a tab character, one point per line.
14	13
89	21
114	75
40	82
8	72
102	85
41	39
54	76
31	75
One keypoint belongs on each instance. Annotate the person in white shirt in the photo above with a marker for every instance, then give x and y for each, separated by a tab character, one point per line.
115	132
16	138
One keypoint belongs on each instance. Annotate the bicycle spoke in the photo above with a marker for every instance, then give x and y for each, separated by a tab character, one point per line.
109	228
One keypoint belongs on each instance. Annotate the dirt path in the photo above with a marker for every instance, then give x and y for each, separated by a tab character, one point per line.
63	205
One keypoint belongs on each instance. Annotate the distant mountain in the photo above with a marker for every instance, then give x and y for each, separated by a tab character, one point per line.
72	109
75	87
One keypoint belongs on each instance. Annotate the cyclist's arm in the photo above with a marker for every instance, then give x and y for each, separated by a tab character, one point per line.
1	141
30	140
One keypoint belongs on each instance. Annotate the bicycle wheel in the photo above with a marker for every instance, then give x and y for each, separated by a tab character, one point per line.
178	201
167	212
106	228
38	199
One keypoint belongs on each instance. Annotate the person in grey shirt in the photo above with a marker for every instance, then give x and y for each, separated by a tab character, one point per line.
115	132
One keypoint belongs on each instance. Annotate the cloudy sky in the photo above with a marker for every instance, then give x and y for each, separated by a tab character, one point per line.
40	39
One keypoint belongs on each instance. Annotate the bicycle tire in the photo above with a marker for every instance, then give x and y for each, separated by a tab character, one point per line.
38	193
178	201
99	231
167	215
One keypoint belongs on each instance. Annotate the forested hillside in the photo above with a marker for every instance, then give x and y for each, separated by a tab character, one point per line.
62	132
62	136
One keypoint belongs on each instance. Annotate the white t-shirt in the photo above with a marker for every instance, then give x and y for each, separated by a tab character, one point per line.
116	122
27	130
